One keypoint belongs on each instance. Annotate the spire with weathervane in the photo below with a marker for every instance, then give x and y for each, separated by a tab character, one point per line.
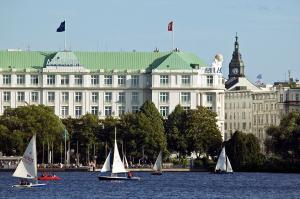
236	65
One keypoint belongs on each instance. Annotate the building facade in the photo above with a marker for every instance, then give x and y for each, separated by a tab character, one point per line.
109	83
248	108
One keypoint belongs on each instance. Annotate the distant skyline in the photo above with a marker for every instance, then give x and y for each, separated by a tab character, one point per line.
268	30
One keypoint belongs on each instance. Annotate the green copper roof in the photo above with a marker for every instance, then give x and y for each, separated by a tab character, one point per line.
99	60
179	60
63	59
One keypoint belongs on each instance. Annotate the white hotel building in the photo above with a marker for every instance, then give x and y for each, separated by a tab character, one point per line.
109	83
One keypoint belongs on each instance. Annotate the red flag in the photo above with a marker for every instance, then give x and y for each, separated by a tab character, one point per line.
170	26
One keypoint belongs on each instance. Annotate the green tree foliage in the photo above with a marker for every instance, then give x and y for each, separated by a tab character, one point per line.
202	132
284	140
175	131
19	124
151	128
243	151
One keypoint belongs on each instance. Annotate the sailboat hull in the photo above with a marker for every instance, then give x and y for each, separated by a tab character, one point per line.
157	173
110	178
29	185
222	172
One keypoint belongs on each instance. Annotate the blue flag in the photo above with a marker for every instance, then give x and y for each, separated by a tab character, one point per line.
61	28
259	76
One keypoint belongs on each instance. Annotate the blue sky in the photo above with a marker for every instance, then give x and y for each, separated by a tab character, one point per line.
268	30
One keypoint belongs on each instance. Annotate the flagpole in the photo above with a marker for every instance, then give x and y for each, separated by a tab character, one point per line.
173	36
65	37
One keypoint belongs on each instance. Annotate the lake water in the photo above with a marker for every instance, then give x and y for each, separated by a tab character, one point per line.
169	185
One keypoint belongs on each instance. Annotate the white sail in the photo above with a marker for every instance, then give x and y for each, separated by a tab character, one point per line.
221	164
125	162
158	163
106	167
27	168
117	166
228	167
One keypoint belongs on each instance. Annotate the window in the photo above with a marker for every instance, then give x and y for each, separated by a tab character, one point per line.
287	97
94	110
164	111
135	80
244	125
121	80
185	80
78	79
20	79
94	79
6	79
164	97
50	79
78	111
107	111
6	96
108	79
95	97
121	110
65	97
65	111
164	79
78	96
51	96
34	96
135	109
281	97
64	80
243	115
185	97
34	79
108	97
121	97
209	98
210	80
135	97
297	97
21	96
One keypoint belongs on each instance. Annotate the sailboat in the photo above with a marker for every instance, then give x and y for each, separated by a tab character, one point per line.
116	167
223	164
158	165
27	167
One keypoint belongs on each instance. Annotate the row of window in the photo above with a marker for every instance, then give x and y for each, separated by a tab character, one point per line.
289	97
265	119
95	79
266	107
235	115
164	97
65	80
78	97
237	105
237	126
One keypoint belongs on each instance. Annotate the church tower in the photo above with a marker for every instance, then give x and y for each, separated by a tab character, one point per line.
236	65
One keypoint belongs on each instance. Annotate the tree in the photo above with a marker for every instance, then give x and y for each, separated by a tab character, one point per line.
150	126
243	151
22	122
284	140
202	131
175	131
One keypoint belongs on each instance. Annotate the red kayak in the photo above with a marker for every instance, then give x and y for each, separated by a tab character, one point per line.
49	177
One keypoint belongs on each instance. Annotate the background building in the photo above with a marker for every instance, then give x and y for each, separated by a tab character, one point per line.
248	108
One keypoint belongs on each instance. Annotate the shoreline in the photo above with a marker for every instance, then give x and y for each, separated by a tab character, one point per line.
90	169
